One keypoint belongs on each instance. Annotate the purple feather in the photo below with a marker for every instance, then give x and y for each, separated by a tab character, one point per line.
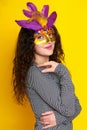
45	10
29	25
27	13
51	19
31	6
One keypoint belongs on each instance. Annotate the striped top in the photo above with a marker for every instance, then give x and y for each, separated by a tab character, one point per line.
53	91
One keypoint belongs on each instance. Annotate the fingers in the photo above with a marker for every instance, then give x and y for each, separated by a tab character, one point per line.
46	70
47	112
50	66
44	123
47	126
47	65
46	117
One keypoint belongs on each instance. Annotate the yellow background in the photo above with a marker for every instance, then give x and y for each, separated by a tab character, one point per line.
72	25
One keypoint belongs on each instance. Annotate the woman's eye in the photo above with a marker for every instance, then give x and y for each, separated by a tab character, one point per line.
40	37
51	35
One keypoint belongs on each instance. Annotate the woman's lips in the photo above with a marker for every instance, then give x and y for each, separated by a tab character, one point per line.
48	47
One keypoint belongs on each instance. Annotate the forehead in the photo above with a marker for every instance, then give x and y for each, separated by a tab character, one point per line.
44	32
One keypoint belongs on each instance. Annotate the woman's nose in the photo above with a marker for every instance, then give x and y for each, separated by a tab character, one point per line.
48	38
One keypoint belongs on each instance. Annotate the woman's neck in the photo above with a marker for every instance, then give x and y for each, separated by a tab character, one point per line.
41	59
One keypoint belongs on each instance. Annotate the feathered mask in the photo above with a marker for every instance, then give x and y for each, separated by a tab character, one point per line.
37	20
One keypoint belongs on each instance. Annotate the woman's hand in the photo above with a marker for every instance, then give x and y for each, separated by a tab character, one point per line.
50	66
48	119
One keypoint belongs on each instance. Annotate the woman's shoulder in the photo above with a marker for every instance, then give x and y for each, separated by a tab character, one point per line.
33	68
32	73
61	67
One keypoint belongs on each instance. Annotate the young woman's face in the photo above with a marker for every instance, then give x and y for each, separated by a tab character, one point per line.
45	50
44	42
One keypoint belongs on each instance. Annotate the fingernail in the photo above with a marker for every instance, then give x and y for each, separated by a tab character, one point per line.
43	71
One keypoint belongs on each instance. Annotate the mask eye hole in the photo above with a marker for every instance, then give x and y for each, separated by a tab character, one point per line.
41	37
51	35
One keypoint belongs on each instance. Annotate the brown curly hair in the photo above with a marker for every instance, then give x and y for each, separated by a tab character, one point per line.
24	56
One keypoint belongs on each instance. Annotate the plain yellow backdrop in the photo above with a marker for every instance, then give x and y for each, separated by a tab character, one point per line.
72	25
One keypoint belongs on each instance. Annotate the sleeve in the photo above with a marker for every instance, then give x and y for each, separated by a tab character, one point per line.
67	89
63	102
77	111
64	79
66	120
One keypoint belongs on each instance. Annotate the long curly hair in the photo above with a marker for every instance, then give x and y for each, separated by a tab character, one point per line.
24	56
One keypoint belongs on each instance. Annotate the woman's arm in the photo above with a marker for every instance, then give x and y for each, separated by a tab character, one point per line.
77	111
51	118
64	103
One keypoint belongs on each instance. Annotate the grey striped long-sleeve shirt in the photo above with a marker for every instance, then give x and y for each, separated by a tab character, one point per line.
52	91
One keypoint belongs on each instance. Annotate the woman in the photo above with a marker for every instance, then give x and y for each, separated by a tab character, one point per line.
39	73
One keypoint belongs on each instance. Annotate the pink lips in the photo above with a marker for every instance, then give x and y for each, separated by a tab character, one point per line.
49	47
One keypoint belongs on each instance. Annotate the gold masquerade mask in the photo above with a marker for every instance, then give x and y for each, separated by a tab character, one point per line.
40	22
43	36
